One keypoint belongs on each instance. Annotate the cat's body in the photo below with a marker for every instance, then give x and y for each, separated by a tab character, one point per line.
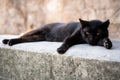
58	31
92	32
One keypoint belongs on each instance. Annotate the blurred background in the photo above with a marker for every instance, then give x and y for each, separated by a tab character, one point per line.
19	16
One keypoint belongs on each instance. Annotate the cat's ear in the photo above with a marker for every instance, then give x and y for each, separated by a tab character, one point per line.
83	23
105	24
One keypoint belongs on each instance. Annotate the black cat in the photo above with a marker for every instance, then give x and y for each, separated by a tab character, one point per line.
93	32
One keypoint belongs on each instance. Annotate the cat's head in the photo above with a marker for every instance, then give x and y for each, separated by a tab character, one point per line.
93	31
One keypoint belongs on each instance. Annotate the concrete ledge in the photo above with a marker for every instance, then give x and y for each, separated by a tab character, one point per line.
40	61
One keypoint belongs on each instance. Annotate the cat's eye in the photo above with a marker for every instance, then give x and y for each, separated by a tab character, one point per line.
98	33
87	33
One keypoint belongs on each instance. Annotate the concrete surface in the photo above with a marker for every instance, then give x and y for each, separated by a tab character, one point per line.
40	61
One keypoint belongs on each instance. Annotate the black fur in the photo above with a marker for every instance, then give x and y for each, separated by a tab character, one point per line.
93	32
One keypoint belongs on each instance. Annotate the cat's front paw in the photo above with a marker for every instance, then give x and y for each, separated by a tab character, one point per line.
62	49
108	44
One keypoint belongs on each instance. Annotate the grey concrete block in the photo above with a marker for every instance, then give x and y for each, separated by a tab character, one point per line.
19	64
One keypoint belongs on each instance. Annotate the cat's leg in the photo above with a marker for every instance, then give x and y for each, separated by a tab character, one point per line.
71	40
22	39
65	46
31	36
68	42
106	42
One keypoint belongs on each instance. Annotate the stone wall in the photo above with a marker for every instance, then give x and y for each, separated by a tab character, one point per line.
18	15
40	61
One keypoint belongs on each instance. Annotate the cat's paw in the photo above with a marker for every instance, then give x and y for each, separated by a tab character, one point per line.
11	42
108	44
5	41
62	49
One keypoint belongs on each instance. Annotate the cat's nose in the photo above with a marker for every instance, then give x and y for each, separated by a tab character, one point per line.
90	38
